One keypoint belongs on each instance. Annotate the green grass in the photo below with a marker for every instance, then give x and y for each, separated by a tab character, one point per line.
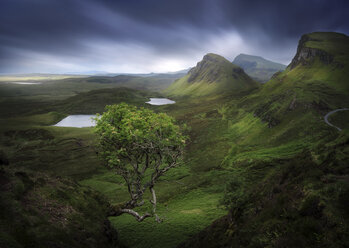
333	43
288	160
31	143
340	119
273	138
43	211
183	216
109	184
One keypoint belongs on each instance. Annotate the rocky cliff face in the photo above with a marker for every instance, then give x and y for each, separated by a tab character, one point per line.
306	55
207	64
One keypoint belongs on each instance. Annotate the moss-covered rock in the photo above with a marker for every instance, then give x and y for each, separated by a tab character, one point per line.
42	211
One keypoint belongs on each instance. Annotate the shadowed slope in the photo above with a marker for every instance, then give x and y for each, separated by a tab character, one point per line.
290	184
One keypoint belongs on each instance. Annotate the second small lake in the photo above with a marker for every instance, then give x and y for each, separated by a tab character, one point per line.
160	101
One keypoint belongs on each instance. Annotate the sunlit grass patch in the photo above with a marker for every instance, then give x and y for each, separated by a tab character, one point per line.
183	216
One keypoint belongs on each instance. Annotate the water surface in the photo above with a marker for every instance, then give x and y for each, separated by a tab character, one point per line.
77	121
160	101
86	120
25	83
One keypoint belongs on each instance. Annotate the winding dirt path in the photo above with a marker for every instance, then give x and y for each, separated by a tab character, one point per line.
332	112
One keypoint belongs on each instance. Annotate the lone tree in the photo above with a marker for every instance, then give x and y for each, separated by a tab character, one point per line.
140	146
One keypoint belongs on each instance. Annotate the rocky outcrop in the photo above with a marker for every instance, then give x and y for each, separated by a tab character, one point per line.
207	63
306	55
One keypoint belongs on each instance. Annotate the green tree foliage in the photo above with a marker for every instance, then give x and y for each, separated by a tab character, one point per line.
140	146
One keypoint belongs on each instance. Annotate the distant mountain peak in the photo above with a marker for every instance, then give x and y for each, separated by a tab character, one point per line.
244	55
208	68
214	57
258	67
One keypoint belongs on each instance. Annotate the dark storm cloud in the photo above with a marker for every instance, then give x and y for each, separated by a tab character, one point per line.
287	19
136	35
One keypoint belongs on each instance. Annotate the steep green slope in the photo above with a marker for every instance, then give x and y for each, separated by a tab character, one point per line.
290	169
316	79
42	211
257	67
211	76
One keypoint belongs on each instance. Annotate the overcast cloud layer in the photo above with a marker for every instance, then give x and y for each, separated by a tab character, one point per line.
59	36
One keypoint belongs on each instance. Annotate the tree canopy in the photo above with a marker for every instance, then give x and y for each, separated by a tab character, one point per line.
140	145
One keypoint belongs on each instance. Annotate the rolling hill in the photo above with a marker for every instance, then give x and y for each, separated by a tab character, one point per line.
290	169
211	76
277	171
257	67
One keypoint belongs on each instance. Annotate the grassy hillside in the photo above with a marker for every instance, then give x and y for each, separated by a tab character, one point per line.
58	89
257	67
211	76
94	101
36	77
16	99
290	169
264	156
30	143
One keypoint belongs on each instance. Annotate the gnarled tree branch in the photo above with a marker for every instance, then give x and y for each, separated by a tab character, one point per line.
138	217
140	146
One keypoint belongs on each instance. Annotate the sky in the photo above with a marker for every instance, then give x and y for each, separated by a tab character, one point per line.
142	36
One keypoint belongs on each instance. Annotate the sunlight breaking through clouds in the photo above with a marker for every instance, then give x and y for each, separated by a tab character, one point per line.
126	36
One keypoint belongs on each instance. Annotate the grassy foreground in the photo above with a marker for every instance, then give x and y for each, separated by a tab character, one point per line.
226	140
262	163
189	196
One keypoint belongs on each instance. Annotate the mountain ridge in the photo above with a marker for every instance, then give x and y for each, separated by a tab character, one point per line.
258	67
286	158
212	75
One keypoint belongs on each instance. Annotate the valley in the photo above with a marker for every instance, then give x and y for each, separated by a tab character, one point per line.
263	167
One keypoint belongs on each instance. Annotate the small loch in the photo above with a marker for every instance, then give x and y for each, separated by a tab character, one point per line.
77	121
160	101
87	120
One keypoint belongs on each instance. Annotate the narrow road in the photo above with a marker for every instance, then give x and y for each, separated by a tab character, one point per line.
332	112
